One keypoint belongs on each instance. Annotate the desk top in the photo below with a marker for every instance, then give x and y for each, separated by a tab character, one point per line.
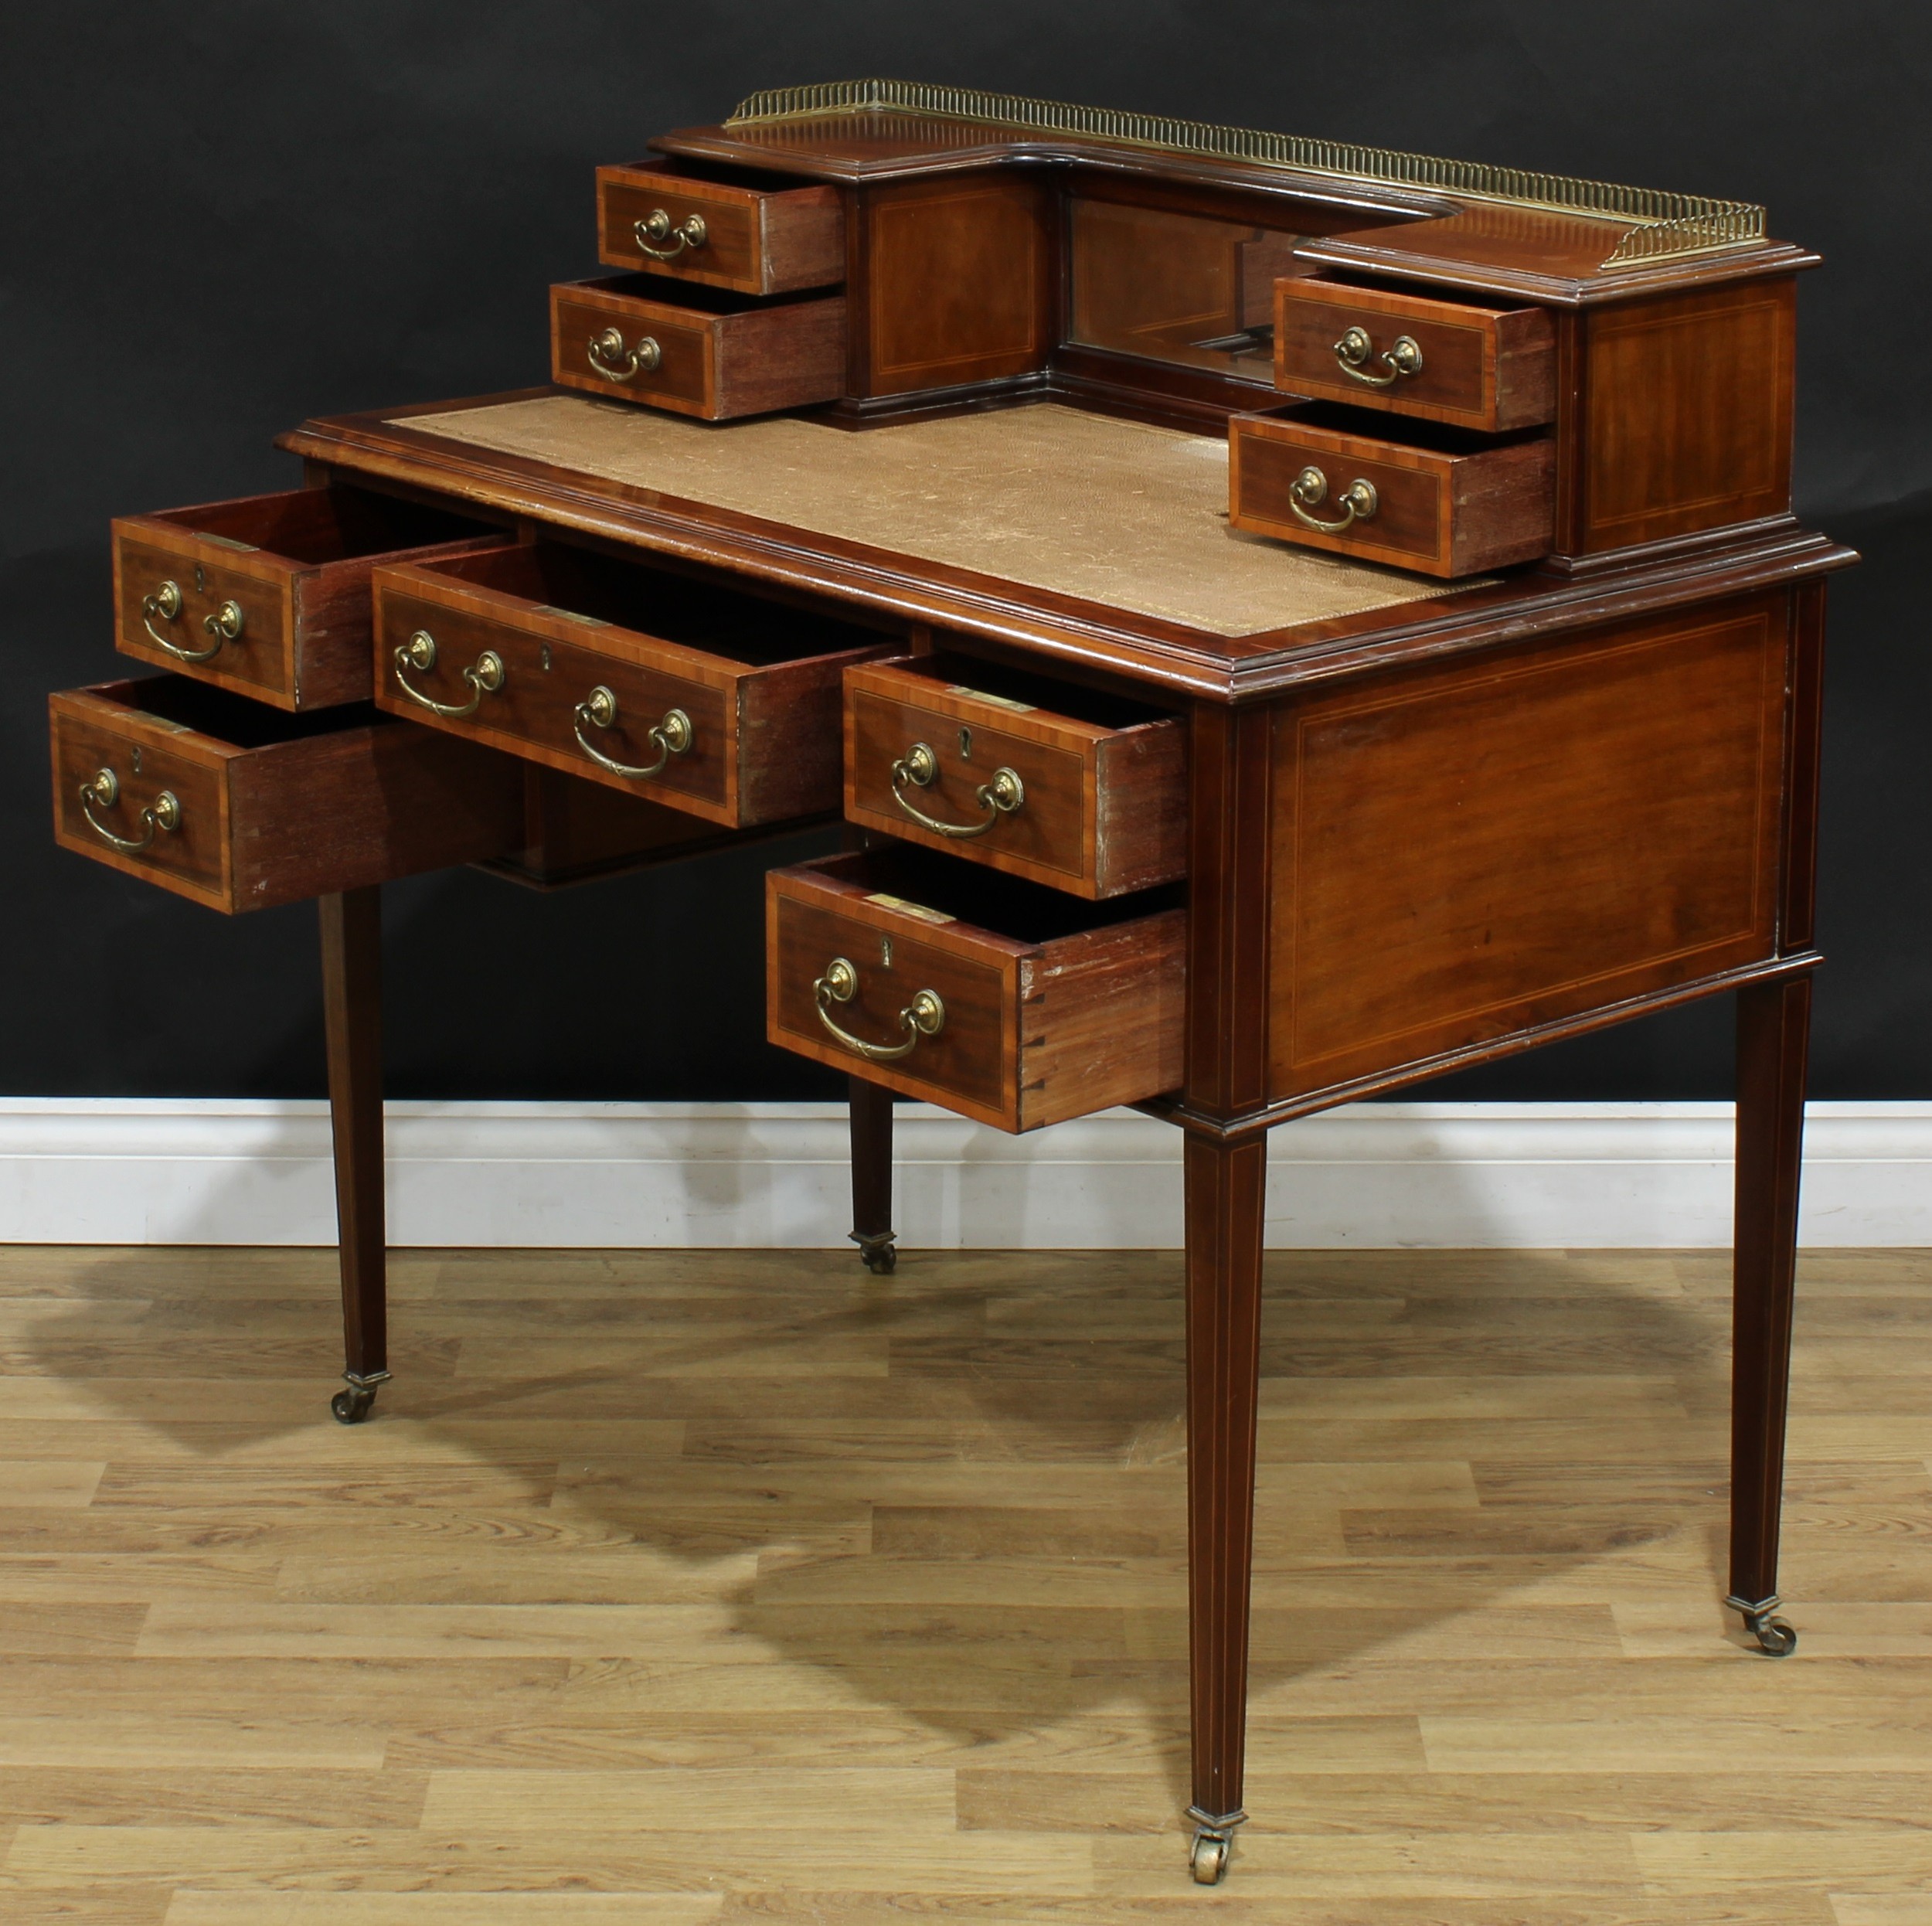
1072	533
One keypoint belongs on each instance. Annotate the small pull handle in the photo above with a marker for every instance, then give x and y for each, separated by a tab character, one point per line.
1359	501
1352	351
657	227
925	1015
164	604
484	675
226	624
104	789
610	357
1003	795
673	736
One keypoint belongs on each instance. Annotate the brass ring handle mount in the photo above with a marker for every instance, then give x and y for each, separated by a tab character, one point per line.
104	789
165	602
1359	501
484	675
657	227
1352	351
925	1015
609	357
1004	795
673	735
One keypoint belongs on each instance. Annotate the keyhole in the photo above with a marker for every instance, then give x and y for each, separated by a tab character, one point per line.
137	759
886	951
965	745
201	580
547	657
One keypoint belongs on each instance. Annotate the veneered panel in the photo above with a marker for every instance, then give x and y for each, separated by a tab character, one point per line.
1688	412
1461	852
958	284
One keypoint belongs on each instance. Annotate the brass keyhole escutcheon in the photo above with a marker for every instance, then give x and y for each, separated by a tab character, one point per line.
201	580
136	752
546	655
965	745
886	951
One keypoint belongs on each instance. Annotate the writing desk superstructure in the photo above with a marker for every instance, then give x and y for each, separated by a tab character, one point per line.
1389	648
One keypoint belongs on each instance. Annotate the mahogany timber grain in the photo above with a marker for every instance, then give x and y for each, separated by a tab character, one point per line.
1483	368
309	814
765	744
1105	808
297	563
958	283
758	240
1035	1032
1441	513
715	366
351	933
1609	809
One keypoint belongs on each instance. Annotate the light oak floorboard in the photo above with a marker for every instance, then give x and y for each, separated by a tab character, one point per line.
685	1587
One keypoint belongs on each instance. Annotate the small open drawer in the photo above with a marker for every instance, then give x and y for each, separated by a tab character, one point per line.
696	351
1069	786
709	700
1012	1005
241	807
1488	369
1445	501
269	594
760	234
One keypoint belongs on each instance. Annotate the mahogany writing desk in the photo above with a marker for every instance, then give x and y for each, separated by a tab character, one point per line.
1381	643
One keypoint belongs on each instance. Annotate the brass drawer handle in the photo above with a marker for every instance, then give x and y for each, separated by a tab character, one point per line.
1002	797
485	676
225	624
925	1015
610	359
1354	349
164	813
1359	498
658	226
673	736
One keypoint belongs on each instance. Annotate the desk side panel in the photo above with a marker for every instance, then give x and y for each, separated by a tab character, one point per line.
1463	850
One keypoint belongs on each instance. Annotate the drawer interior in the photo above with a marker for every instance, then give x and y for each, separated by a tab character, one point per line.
315	525
562	579
695	296
1437	437
755	180
234	720
976	675
1007	905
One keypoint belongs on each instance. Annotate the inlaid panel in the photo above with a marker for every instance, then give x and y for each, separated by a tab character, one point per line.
1464	852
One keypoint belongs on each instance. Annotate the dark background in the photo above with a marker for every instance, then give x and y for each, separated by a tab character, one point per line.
220	218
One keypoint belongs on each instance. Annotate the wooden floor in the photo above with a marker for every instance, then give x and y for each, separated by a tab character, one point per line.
721	1587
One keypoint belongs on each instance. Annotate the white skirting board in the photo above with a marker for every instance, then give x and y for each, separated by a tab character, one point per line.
774	1176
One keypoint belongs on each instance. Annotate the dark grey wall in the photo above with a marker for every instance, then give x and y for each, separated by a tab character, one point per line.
221	218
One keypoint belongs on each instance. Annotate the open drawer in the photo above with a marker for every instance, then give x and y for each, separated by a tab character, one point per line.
240	807
696	351
707	699
1084	790
757	234
269	594
1012	1005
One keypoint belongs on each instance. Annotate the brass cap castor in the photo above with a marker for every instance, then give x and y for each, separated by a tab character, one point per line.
354	1405
878	1253
1209	1859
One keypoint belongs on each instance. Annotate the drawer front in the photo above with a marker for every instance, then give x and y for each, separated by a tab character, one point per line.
278	815
549	669
1414	508
755	241
864	974
187	603
717	366
1481	368
969	1067
1093	811
632	350
142	799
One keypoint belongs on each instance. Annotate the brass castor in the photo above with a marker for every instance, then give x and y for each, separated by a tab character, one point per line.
878	1253
1208	1861
1775	1638
353	1406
